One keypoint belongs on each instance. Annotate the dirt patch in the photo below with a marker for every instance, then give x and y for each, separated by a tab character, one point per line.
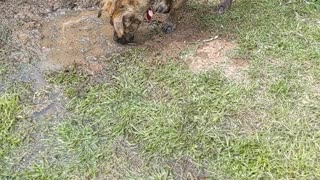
210	54
79	37
54	37
216	54
235	69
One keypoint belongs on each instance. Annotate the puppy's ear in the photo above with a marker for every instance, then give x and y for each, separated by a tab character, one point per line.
118	24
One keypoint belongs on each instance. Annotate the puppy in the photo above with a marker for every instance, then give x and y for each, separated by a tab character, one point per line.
127	15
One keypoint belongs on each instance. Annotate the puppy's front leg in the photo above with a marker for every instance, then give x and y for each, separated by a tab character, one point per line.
163	6
224	6
170	25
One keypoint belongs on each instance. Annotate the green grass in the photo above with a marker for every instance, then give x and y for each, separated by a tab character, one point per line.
147	121
10	108
9	111
167	110
13	118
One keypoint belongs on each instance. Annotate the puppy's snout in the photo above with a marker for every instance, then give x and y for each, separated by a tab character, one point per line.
121	40
125	39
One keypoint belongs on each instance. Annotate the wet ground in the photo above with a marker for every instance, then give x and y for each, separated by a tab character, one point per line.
234	96
51	37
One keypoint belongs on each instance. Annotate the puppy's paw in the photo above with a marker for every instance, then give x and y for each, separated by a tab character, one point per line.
221	9
224	6
124	39
168	27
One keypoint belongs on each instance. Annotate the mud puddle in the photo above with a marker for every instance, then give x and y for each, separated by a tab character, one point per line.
74	38
79	37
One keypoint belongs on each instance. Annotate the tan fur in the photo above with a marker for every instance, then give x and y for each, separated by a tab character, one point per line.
127	15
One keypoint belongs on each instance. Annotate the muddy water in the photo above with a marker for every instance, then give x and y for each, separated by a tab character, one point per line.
80	37
76	37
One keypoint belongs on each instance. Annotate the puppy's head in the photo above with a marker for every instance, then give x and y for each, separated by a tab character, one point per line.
125	24
123	18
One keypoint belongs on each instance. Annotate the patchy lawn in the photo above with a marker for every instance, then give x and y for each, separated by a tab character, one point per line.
233	96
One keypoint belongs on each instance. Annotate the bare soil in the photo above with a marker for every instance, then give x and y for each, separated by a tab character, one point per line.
79	37
76	38
54	37
217	53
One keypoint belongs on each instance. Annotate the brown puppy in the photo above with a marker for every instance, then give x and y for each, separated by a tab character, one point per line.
127	15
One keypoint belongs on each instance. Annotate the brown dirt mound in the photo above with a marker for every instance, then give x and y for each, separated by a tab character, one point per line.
215	54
